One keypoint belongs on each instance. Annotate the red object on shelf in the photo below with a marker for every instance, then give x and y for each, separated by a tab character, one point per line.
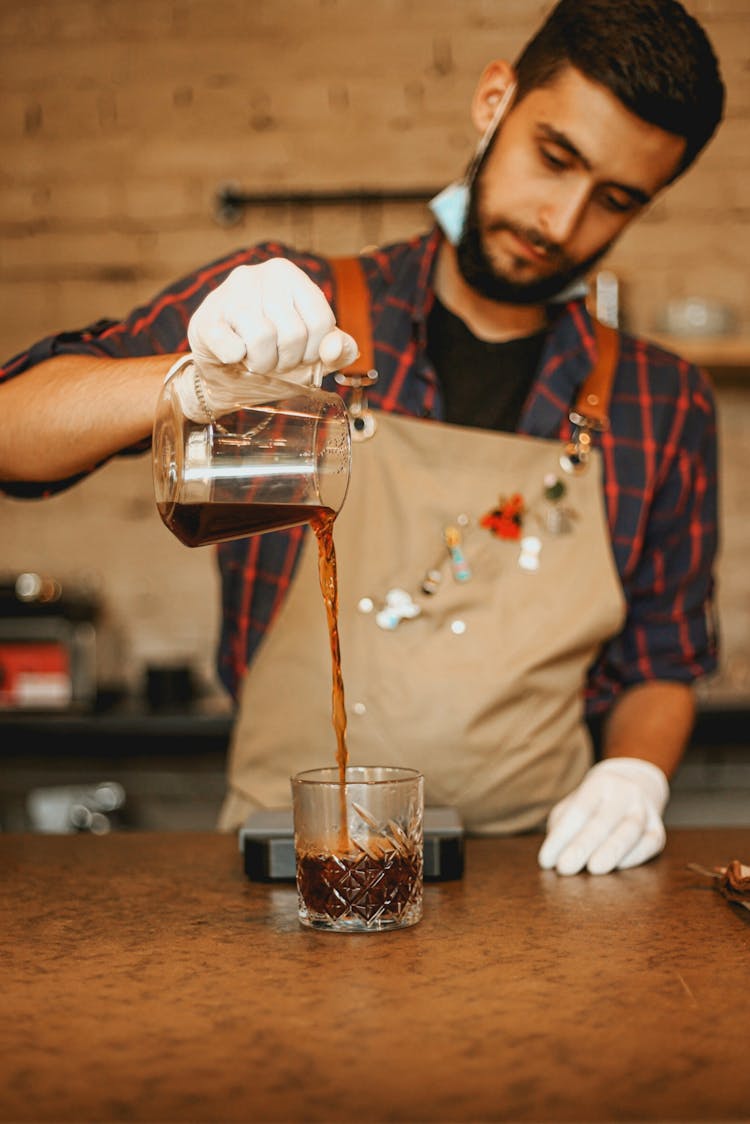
34	674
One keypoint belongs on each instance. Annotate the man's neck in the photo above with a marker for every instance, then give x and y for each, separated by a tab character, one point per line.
486	319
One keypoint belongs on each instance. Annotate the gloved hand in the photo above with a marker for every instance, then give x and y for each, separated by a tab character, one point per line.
267	319
611	821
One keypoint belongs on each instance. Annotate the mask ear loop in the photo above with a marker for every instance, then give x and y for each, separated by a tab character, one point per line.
484	141
451	206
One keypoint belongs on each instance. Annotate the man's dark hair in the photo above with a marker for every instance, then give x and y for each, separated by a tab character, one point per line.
651	54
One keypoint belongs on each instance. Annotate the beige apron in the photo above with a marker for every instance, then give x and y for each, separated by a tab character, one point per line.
483	691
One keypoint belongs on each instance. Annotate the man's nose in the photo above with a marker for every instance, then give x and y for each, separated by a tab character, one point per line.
560	217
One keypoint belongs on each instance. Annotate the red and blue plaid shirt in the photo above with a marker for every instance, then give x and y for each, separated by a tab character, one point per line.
659	455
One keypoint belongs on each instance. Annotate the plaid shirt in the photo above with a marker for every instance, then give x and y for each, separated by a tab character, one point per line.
659	457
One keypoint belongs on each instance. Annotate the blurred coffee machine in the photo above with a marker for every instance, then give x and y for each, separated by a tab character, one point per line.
47	645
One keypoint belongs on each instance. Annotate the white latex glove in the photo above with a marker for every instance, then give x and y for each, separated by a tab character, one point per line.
613	820
267	319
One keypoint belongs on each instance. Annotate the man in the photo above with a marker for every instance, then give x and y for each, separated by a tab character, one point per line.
596	581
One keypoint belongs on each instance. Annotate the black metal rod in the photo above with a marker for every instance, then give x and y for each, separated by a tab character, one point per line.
232	201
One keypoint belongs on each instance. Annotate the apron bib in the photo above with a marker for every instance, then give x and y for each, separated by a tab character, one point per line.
483	690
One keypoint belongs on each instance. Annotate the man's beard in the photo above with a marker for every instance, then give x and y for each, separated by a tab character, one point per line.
478	271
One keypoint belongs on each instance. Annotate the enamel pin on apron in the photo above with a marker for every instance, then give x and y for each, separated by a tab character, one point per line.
399	606
459	565
528	559
431	582
557	516
506	520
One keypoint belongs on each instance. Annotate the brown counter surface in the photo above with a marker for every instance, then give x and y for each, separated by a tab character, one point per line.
144	979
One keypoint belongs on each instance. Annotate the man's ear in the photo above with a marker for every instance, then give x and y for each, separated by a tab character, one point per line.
495	80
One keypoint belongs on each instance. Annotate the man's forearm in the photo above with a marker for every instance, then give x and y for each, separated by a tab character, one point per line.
652	721
71	412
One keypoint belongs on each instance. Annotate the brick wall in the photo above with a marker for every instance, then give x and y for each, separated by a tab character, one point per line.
119	122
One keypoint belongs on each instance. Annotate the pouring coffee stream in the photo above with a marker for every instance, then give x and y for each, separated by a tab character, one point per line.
322	524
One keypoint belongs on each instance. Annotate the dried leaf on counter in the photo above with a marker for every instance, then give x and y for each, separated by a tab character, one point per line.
732	881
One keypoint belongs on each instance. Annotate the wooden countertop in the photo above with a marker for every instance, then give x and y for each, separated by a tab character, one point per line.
144	979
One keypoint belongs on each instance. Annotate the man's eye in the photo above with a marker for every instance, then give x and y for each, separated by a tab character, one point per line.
618	204
553	159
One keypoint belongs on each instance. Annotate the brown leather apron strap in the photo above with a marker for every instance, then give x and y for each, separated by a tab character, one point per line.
353	311
592	404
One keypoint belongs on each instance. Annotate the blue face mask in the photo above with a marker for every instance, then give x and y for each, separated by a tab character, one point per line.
450	209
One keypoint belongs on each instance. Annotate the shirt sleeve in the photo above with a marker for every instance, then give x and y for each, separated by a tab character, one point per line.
670	631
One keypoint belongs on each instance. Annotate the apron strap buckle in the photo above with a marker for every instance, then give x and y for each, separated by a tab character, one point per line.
362	420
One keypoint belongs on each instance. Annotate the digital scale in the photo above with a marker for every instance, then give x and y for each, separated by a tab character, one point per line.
267	844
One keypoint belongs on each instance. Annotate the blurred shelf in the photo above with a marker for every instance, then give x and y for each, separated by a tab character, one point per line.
724	356
133	731
126	731
722	722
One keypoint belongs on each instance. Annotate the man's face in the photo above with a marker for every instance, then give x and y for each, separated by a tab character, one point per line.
568	170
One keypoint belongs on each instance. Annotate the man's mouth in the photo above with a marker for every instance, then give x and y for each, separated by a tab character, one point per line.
522	247
530	246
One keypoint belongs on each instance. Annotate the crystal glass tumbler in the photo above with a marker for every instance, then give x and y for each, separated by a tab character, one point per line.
359	848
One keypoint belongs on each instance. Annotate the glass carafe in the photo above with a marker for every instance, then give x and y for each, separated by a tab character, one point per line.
257	454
